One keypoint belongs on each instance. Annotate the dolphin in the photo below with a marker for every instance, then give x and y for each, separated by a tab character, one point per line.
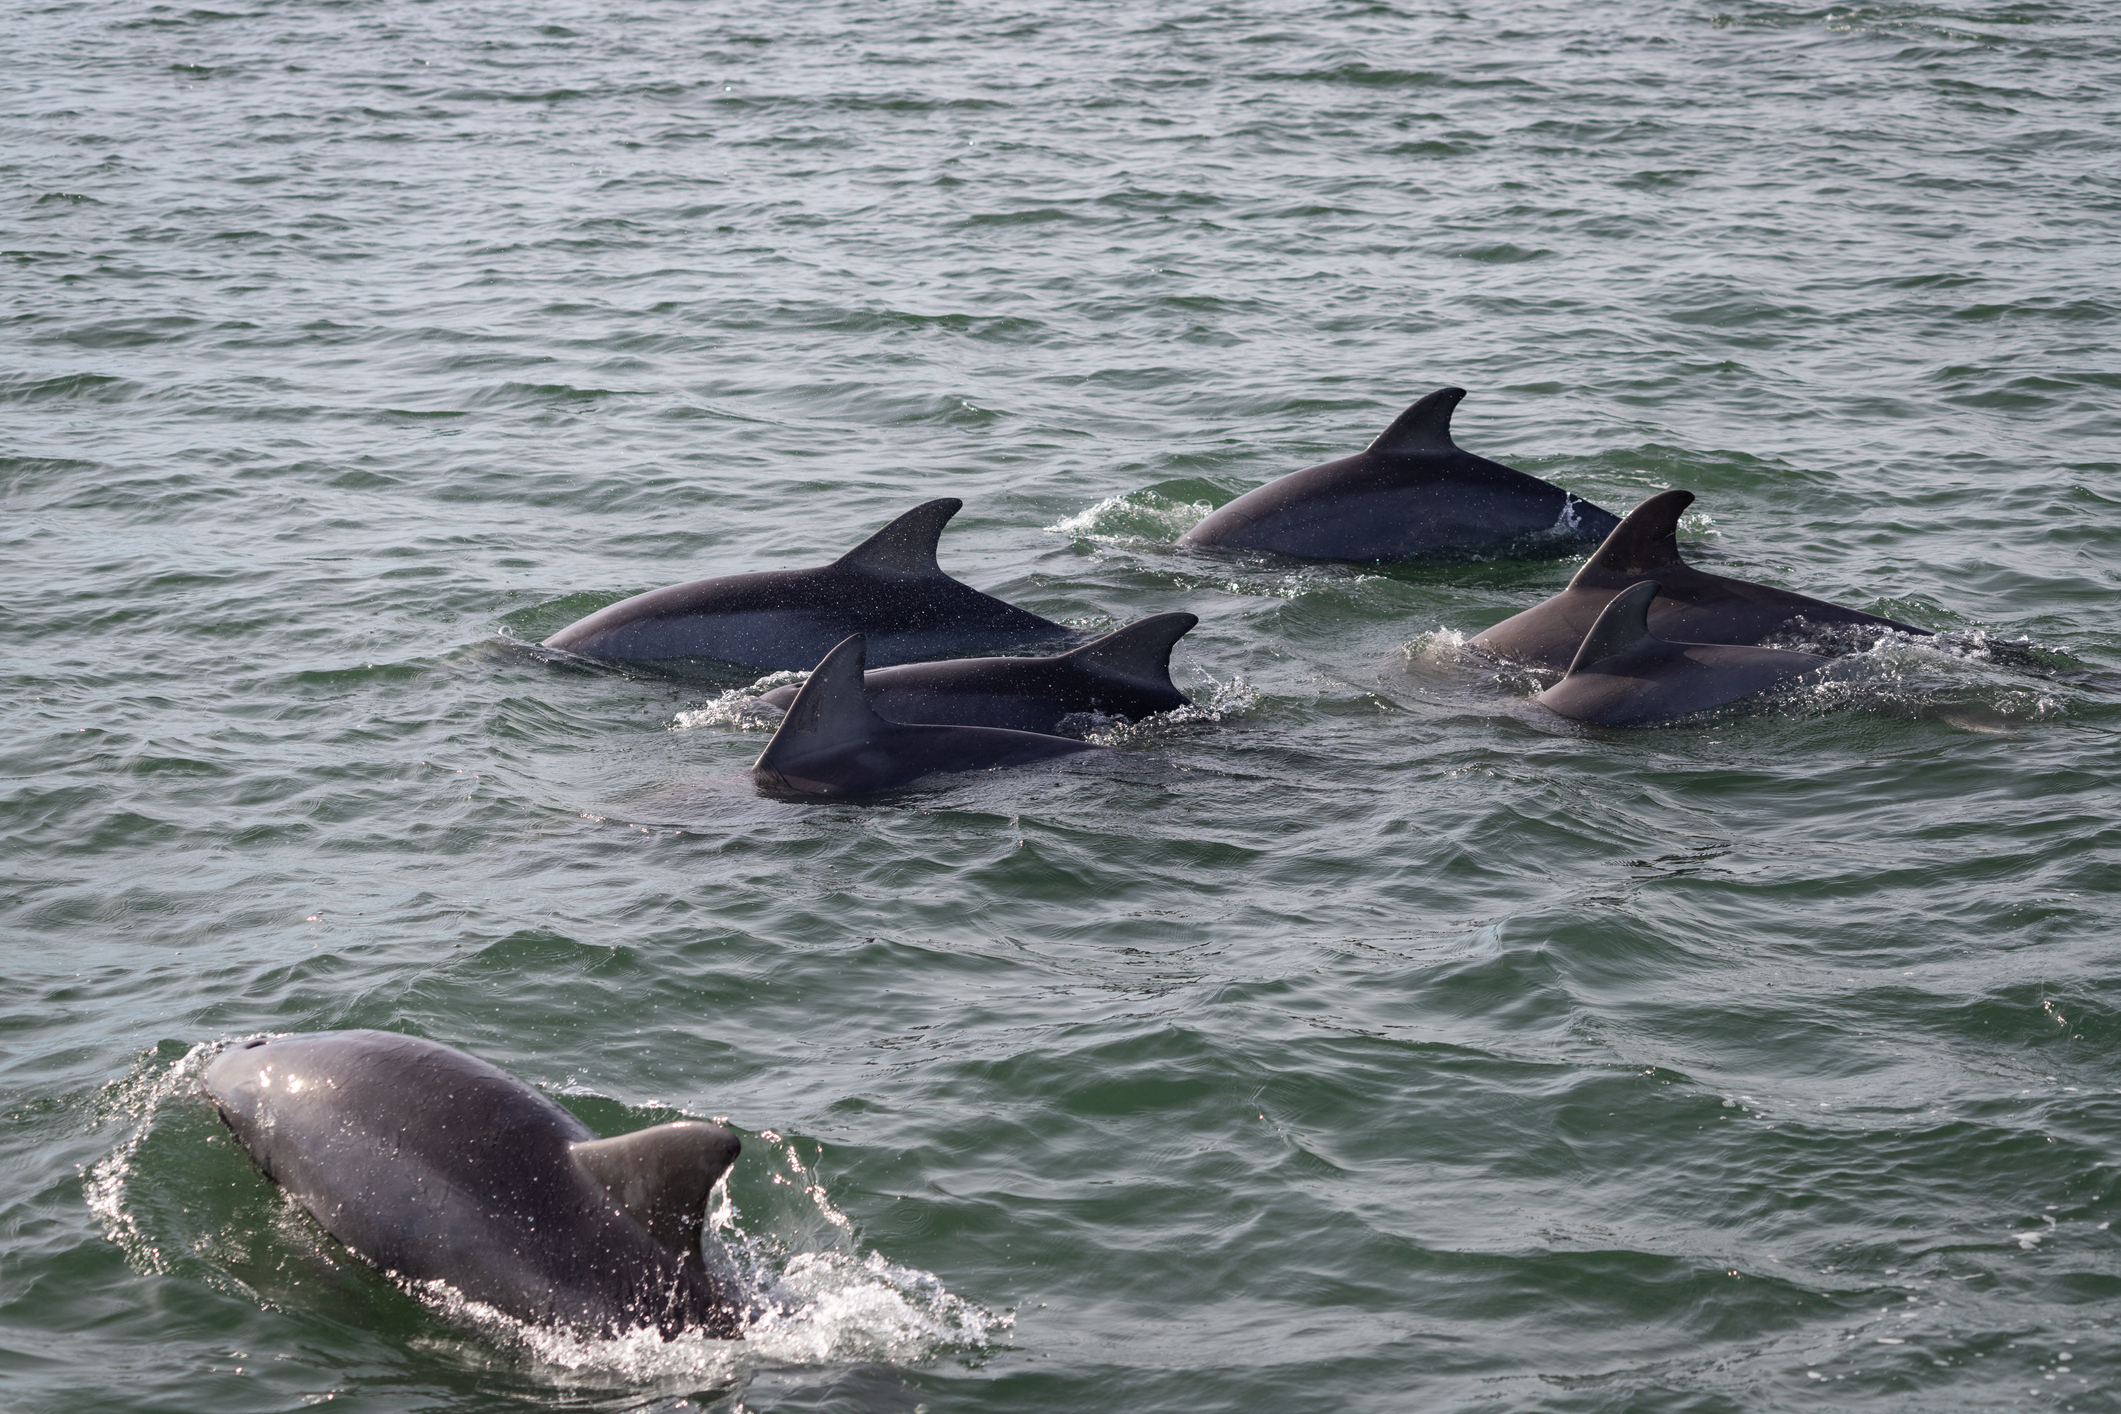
1412	492
888	587
1624	675
1692	606
1127	673
436	1166
833	743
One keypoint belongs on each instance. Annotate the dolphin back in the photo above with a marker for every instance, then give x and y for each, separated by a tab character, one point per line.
889	587
1624	675
1691	606
1126	673
1412	492
833	743
436	1166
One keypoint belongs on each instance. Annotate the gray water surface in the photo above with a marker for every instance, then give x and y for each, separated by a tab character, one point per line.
1362	1038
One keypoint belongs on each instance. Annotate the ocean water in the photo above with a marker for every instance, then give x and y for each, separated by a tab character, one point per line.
1361	1038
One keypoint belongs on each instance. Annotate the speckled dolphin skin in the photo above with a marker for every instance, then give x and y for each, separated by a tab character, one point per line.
1692	606
1623	675
1412	492
832	743
436	1166
1126	673
889	588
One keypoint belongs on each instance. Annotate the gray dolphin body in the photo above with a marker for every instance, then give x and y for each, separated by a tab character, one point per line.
1413	492
1624	675
438	1167
1127	673
889	587
833	743
1691	606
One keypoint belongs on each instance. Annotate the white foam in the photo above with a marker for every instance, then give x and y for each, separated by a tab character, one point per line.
1438	647
739	708
1137	518
1221	702
819	1301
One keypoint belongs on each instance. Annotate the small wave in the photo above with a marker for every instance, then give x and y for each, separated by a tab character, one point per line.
739	709
821	1303
1221	702
139	1097
1443	653
1440	647
1150	516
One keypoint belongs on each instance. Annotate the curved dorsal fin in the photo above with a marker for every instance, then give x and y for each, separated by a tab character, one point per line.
1624	625
660	1177
907	545
1646	540
1141	650
831	710
1424	427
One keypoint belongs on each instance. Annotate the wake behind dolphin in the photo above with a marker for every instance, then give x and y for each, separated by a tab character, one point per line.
1412	492
436	1166
889	587
1691	605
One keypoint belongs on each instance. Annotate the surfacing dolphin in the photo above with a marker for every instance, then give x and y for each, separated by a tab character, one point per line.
435	1166
1127	673
1624	675
1692	606
888	587
1413	492
833	743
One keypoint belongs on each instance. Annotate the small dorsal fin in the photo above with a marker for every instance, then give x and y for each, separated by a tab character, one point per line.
1141	650
660	1177
907	545
1623	625
1645	541
831	710
1424	427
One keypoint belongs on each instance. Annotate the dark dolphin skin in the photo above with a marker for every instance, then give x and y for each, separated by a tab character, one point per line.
1412	493
435	1166
1127	673
832	743
1626	676
888	587
1691	607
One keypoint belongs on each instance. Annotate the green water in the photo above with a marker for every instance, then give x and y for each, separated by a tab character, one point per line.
1363	1038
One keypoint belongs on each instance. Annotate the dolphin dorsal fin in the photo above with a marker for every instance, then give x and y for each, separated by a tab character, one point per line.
1622	626
1424	427
1141	650
660	1177
907	545
1646	540
831	710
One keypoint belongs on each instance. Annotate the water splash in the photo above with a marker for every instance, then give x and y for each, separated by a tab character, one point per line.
1135	520
739	709
139	1097
1220	702
821	1302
